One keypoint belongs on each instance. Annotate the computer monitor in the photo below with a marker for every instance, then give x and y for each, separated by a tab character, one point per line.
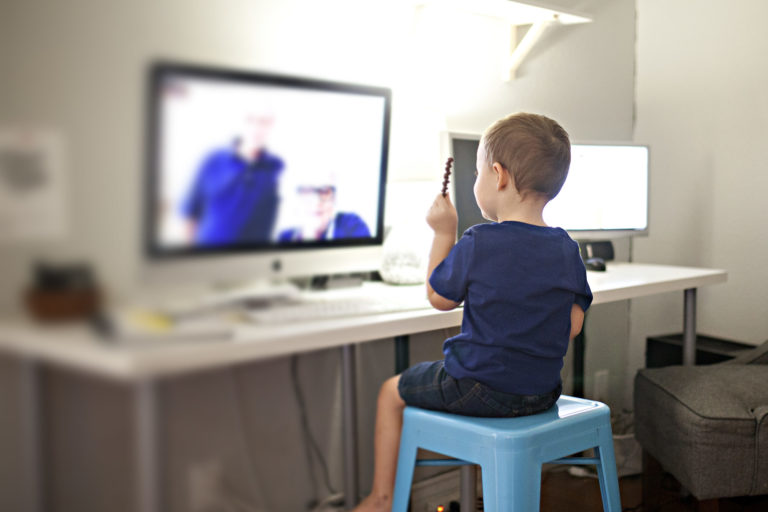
255	175
605	195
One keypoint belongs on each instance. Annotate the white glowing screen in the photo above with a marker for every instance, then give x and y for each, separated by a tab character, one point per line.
606	189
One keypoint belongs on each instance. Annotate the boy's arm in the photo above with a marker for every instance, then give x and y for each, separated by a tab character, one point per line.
577	320
441	246
443	220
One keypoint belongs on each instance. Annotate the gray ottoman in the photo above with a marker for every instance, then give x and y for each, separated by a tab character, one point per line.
707	426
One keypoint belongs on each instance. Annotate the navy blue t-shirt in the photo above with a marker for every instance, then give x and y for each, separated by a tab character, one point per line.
518	283
234	200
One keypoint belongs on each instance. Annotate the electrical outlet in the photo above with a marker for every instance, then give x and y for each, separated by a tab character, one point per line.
205	479
440	493
600	385
427	495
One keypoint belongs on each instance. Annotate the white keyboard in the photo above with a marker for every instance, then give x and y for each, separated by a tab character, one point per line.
328	305
197	304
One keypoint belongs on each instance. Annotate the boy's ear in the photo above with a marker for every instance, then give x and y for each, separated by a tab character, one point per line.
502	176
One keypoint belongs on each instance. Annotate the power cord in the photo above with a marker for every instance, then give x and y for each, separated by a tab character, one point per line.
310	444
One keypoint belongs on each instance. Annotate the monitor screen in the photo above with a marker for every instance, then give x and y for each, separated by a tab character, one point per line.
463	149
605	194
243	161
606	190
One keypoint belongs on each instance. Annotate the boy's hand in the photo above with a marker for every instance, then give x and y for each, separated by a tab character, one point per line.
442	216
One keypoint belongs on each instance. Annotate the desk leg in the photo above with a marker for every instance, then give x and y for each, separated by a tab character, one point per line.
349	422
32	432
402	353
468	487
147	455
689	327
579	349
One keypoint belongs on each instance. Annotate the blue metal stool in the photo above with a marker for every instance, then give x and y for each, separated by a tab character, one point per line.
510	451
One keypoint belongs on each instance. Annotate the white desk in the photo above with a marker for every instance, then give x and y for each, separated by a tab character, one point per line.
80	349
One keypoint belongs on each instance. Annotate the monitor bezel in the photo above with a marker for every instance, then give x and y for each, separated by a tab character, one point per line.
158	70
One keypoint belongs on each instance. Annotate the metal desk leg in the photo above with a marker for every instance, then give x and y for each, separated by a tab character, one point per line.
689	327
402	355
147	455
467	487
32	432
349	422
579	349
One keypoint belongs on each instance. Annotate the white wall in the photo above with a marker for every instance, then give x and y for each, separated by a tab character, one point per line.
702	105
78	66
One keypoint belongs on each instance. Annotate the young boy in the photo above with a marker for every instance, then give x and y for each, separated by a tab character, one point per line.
524	289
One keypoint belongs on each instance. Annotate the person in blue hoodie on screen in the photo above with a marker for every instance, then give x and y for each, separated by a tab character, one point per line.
234	197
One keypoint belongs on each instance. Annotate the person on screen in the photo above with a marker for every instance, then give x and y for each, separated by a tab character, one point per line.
524	289
234	196
319	219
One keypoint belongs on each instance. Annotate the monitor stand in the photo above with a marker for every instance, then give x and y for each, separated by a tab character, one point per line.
336	281
255	293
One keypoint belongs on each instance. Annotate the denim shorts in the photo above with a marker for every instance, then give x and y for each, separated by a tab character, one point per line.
428	385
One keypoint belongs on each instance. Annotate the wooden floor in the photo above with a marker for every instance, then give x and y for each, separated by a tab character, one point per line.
561	492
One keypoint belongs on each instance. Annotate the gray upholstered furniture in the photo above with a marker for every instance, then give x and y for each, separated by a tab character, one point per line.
707	426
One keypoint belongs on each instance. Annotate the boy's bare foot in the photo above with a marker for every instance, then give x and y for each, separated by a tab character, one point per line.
375	504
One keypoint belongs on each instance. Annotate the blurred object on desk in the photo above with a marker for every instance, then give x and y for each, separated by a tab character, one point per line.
63	292
147	328
408	238
405	252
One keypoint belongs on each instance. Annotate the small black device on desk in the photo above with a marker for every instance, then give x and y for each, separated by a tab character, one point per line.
595	254
595	264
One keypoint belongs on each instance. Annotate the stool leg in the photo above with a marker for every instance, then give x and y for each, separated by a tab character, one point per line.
606	471
512	484
406	461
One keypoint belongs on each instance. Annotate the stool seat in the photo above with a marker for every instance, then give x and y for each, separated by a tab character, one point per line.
511	451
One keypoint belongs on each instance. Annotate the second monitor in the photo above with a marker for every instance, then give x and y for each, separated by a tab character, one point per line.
604	196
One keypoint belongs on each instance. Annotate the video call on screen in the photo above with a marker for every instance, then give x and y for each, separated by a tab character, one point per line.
243	163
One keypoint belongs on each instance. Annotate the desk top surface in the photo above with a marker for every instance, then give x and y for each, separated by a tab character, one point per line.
623	281
78	347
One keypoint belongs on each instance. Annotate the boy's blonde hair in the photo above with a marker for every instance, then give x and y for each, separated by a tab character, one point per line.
534	149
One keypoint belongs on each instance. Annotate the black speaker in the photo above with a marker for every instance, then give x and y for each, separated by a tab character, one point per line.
598	249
